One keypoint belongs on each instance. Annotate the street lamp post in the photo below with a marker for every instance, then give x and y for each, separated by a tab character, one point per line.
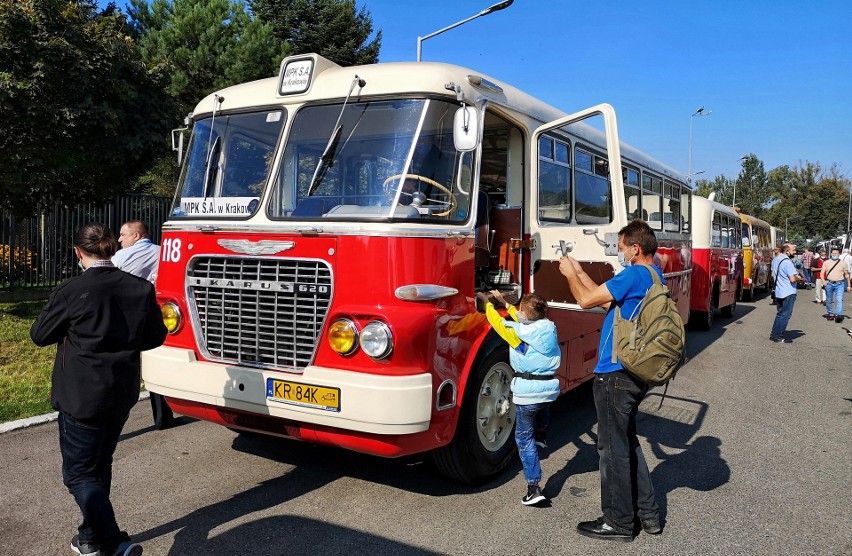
495	8
699	112
786	230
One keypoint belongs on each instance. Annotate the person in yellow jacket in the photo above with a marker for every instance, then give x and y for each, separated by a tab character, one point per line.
535	357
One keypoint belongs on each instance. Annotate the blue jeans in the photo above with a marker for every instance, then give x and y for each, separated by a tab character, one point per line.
87	448
782	317
527	418
834	297
626	485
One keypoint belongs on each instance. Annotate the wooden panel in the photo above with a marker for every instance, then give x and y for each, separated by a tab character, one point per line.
506	222
553	286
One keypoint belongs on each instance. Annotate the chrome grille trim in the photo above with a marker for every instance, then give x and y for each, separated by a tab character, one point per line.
265	312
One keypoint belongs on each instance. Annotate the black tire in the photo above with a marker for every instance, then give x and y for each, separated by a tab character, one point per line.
471	457
748	294
728	311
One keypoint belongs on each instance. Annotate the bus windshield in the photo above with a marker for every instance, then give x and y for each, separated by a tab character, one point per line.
386	160
228	163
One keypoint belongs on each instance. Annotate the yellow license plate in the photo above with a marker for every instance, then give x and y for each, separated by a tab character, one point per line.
305	395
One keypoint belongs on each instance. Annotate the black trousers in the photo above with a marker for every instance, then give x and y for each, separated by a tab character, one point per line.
163	416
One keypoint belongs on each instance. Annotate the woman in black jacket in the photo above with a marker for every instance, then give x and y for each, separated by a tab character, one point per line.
100	321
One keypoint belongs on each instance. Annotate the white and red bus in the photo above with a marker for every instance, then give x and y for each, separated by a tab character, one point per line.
757	255
332	226
717	261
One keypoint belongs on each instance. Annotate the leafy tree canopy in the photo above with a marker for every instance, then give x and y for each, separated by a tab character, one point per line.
335	29
204	45
810	202
79	112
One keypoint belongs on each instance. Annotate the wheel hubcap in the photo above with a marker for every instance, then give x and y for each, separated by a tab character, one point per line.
495	412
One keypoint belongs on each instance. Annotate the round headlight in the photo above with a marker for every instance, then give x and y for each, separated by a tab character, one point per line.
377	340
171	316
343	336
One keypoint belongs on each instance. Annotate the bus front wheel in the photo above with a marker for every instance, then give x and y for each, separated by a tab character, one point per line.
484	440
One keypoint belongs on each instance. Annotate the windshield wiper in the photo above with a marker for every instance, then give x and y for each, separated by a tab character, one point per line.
326	160
212	167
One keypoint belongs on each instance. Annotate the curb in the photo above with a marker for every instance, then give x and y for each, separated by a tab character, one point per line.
46	418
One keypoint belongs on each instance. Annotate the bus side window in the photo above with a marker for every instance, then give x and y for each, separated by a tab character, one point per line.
726	232
554	181
746	236
685	207
652	198
632	195
671	205
592	192
716	237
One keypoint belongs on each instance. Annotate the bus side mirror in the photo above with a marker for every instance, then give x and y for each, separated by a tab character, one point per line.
466	129
177	143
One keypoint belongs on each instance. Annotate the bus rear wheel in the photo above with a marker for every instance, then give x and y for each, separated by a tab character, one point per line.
483	444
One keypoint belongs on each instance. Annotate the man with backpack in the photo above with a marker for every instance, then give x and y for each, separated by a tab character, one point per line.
625	479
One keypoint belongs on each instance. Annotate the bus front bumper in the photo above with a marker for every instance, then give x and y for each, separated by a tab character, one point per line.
374	404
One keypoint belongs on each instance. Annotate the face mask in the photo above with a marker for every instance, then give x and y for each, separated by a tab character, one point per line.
791	255
623	260
835	257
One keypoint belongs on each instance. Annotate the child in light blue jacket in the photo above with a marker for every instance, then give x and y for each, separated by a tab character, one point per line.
535	356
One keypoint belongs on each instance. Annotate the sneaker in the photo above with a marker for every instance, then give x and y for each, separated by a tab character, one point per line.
829	317
84	549
540	438
839	318
534	496
600	529
651	525
128	548
781	340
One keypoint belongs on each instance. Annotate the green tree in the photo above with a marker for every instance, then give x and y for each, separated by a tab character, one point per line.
753	194
721	185
79	113
335	29
204	45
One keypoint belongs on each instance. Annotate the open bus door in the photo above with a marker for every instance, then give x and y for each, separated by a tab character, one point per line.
594	245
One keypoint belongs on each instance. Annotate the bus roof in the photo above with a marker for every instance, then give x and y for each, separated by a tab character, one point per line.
332	82
753	220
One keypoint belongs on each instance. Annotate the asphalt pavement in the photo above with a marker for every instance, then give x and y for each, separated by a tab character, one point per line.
750	454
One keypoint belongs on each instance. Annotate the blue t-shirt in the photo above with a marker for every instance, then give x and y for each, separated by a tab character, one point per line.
628	289
782	269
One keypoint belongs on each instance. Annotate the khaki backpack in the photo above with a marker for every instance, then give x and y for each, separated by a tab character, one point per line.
652	345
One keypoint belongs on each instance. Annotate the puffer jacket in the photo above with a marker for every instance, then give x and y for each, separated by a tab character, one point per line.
542	357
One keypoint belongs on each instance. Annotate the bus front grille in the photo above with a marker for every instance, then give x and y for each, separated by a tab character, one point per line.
262	312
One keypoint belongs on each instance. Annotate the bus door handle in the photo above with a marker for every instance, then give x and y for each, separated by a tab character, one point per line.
564	247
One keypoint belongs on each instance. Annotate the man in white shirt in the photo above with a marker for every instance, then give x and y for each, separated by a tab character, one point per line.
140	256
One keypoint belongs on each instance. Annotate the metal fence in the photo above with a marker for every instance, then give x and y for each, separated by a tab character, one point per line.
38	251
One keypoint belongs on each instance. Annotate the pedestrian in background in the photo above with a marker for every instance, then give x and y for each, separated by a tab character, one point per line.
836	276
100	321
141	257
816	272
785	291
138	255
807	259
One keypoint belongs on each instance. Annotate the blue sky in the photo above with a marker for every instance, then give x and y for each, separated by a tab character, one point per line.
777	75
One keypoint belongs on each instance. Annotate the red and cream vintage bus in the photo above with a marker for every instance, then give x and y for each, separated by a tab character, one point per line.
332	226
717	261
757	255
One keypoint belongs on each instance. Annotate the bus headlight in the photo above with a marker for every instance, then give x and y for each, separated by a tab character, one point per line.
343	336
171	316
377	340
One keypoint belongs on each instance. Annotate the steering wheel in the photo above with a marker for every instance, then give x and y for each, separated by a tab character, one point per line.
390	191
